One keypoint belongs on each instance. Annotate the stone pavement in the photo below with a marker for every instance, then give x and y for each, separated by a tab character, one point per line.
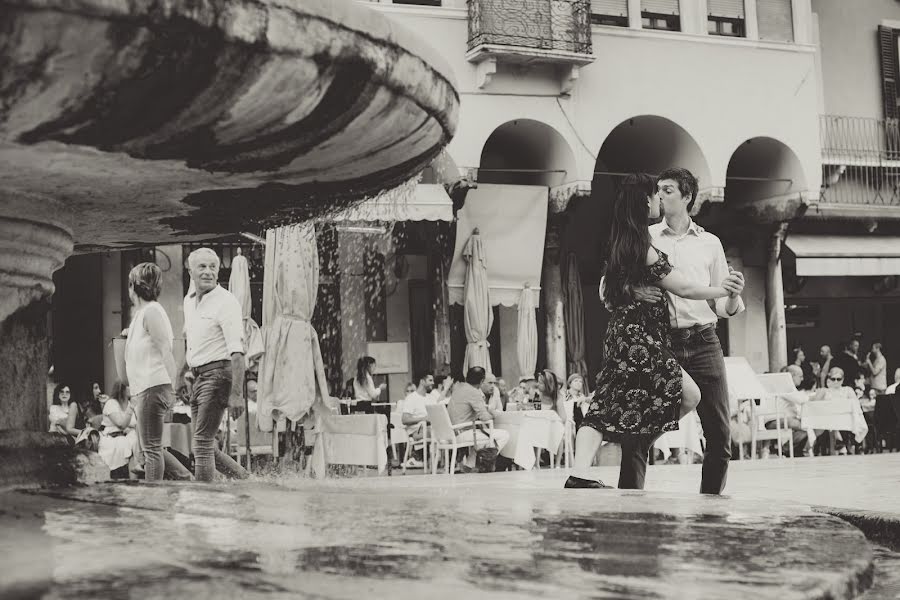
507	535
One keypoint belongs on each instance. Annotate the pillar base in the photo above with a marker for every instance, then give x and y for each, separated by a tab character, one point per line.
33	458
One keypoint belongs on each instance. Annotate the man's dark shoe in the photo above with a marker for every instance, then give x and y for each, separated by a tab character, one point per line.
578	482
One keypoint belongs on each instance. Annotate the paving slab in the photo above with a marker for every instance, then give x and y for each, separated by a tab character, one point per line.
496	536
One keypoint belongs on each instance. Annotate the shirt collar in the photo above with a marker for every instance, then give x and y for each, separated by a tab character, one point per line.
692	228
193	295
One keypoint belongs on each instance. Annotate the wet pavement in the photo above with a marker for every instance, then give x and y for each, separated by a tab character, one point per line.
510	535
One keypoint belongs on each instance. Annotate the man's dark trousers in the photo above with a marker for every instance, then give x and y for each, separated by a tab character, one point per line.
700	354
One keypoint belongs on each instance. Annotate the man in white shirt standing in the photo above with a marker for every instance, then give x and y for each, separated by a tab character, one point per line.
214	329
700	256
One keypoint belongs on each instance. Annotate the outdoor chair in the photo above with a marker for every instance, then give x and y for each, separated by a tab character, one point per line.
768	409
261	442
449	437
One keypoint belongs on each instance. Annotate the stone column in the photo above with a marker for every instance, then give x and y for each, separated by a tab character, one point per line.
777	329
552	300
34	242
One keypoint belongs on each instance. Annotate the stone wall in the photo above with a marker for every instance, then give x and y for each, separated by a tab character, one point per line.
24	361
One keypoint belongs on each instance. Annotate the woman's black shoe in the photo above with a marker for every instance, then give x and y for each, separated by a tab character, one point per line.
578	482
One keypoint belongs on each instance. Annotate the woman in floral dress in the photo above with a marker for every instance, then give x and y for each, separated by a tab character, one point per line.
641	389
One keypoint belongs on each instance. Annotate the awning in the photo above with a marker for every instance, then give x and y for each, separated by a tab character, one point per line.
427	202
512	221
835	255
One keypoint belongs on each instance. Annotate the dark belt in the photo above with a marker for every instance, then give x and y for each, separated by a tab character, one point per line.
685	333
216	364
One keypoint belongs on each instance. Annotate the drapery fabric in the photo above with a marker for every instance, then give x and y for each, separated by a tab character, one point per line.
526	334
239	286
478	316
292	374
573	314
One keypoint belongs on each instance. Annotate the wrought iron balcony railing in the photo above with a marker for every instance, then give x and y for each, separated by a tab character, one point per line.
860	160
536	25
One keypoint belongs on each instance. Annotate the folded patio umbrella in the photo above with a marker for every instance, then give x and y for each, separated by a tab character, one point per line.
573	314
527	342
292	373
477	311
239	286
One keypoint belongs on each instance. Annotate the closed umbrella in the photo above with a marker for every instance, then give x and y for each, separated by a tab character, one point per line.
292	374
239	286
477	314
527	344
573	314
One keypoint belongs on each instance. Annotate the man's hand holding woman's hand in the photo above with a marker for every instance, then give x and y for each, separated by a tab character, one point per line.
734	283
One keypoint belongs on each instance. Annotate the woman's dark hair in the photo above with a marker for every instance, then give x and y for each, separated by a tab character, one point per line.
551	384
59	387
629	239
118	391
794	353
146	281
362	369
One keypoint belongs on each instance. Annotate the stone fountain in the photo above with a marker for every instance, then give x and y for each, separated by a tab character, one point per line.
135	123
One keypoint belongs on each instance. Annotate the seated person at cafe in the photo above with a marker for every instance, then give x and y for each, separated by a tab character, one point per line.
414	404
467	405
835	389
789	406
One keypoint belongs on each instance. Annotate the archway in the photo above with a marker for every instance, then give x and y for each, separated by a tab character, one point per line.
763	168
526	152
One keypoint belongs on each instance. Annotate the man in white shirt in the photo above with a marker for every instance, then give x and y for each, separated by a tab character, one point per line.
214	329
414	411
892	389
700	256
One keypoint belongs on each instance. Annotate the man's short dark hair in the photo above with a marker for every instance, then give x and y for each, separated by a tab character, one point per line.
423	375
687	183
475	376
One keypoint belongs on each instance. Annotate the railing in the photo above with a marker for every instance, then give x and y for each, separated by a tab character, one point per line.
860	160
551	25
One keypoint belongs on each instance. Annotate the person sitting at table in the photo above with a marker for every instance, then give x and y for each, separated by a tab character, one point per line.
59	408
836	390
492	393
577	402
467	405
549	393
413	411
363	385
789	406
119	445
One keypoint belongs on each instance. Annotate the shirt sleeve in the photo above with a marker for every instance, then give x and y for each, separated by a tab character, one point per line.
481	410
232	322
717	273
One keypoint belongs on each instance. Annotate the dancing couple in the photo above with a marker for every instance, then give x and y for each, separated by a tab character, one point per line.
665	286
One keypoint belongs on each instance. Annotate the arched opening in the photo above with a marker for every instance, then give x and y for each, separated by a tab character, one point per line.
526	152
646	144
763	168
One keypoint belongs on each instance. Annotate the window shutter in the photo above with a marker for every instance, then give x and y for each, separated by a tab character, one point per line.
887	48
776	20
661	7
613	8
729	9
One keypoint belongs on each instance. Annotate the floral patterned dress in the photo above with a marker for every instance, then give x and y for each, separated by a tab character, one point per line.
638	390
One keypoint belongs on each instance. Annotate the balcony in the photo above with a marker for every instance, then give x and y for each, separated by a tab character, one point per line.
555	32
860	161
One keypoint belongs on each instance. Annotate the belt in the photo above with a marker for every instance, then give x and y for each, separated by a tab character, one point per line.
686	332
216	364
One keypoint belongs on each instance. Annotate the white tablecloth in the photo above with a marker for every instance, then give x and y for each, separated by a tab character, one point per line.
530	429
835	415
351	440
687	436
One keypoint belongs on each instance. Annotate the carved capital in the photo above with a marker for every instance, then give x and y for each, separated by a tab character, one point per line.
34	242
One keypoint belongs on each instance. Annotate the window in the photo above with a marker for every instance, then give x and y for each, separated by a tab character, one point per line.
726	17
661	22
776	20
726	27
609	12
660	14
